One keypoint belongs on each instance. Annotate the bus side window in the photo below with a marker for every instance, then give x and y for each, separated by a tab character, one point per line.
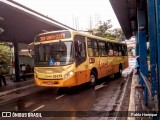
90	50
124	50
115	49
107	48
110	48
95	48
102	51
120	50
92	47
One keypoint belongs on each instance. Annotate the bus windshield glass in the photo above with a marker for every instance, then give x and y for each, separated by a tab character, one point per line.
54	54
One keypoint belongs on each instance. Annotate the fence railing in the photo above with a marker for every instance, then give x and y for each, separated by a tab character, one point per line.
146	83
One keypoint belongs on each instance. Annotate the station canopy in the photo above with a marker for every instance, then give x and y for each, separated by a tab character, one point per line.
126	12
21	24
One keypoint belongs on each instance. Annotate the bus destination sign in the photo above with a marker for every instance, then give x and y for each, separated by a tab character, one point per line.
53	36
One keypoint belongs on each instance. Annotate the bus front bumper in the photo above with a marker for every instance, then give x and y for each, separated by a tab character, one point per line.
69	82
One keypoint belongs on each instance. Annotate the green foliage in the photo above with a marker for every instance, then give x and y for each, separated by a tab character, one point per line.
111	37
5	70
5	54
102	31
108	36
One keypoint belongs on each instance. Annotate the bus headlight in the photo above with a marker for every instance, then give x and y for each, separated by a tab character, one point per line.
71	73
68	74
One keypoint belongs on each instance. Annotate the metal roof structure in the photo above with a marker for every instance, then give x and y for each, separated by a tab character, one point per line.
142	19
126	12
21	24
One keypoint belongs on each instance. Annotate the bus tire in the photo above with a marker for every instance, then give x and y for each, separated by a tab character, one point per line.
120	72
93	79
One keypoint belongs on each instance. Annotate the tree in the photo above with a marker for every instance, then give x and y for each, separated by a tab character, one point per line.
118	33
5	56
101	30
5	53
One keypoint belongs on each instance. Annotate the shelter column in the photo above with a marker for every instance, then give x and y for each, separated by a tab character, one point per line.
137	44
142	47
152	41
157	4
17	72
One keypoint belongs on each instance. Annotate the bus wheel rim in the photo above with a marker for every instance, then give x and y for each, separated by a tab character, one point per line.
120	71
93	78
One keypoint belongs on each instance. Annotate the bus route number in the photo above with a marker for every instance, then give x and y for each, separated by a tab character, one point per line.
57	76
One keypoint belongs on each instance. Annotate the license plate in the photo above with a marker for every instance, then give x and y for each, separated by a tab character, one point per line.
48	83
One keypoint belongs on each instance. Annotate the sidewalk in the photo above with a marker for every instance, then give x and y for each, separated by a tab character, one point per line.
137	103
15	86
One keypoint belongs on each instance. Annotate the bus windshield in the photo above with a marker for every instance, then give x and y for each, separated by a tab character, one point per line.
54	54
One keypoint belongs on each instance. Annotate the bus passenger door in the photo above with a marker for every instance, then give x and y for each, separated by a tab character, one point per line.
80	57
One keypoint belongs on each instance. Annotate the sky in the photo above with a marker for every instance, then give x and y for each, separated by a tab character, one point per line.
78	14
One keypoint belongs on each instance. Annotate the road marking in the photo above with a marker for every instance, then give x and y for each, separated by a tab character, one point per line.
38	108
29	104
103	83
60	96
100	86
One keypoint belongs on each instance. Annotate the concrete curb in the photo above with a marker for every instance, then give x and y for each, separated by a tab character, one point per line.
124	91
14	90
132	97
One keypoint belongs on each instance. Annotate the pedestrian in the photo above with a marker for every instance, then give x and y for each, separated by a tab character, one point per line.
2	78
23	70
137	64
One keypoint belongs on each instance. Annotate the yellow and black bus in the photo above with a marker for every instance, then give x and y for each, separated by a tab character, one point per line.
71	58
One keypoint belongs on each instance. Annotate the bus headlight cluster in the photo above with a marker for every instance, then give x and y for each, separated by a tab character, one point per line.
68	74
